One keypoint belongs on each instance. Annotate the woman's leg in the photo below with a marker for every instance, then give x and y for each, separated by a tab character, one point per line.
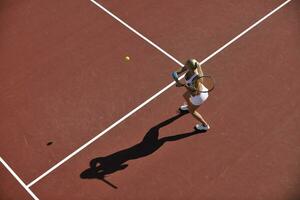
199	117
193	108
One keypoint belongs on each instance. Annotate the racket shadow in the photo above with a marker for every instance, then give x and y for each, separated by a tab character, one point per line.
100	167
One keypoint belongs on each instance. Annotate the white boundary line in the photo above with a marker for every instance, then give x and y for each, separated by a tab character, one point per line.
18	179
155	95
136	32
245	31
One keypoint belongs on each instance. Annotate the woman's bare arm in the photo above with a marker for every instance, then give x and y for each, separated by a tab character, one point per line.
181	70
200	73
199	70
199	86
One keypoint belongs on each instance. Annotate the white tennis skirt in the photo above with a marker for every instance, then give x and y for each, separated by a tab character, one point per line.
199	99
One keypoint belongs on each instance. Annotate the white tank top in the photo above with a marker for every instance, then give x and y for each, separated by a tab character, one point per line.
189	82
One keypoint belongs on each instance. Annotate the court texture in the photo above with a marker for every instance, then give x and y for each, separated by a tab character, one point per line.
89	107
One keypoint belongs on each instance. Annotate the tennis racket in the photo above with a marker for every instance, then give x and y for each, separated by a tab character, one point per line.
207	83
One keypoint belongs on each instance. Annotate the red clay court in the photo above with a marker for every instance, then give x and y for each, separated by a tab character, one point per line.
79	121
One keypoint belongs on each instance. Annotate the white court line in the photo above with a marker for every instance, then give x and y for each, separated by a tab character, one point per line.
155	95
245	31
136	32
18	179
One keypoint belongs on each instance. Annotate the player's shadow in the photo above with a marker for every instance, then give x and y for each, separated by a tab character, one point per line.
102	166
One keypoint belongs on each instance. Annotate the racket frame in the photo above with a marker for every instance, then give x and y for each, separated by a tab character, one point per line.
213	81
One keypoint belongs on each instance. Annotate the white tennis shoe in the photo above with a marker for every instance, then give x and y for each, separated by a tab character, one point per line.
202	127
184	107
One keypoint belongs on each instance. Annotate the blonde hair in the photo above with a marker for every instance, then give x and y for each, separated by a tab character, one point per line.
192	63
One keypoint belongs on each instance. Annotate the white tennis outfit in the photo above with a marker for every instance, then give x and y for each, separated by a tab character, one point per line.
198	99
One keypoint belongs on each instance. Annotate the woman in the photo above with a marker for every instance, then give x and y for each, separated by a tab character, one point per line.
193	97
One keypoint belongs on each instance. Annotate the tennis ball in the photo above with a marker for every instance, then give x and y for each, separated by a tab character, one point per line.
127	58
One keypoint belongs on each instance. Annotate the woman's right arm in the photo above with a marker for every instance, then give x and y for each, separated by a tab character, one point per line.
181	70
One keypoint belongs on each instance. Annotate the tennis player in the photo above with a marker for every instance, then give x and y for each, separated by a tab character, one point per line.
193	96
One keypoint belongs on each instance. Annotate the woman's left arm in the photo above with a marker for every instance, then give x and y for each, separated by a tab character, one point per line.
199	70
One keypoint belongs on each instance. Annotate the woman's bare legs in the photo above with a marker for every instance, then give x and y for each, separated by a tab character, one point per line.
192	109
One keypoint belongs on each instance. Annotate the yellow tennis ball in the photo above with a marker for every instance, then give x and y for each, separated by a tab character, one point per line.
127	58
